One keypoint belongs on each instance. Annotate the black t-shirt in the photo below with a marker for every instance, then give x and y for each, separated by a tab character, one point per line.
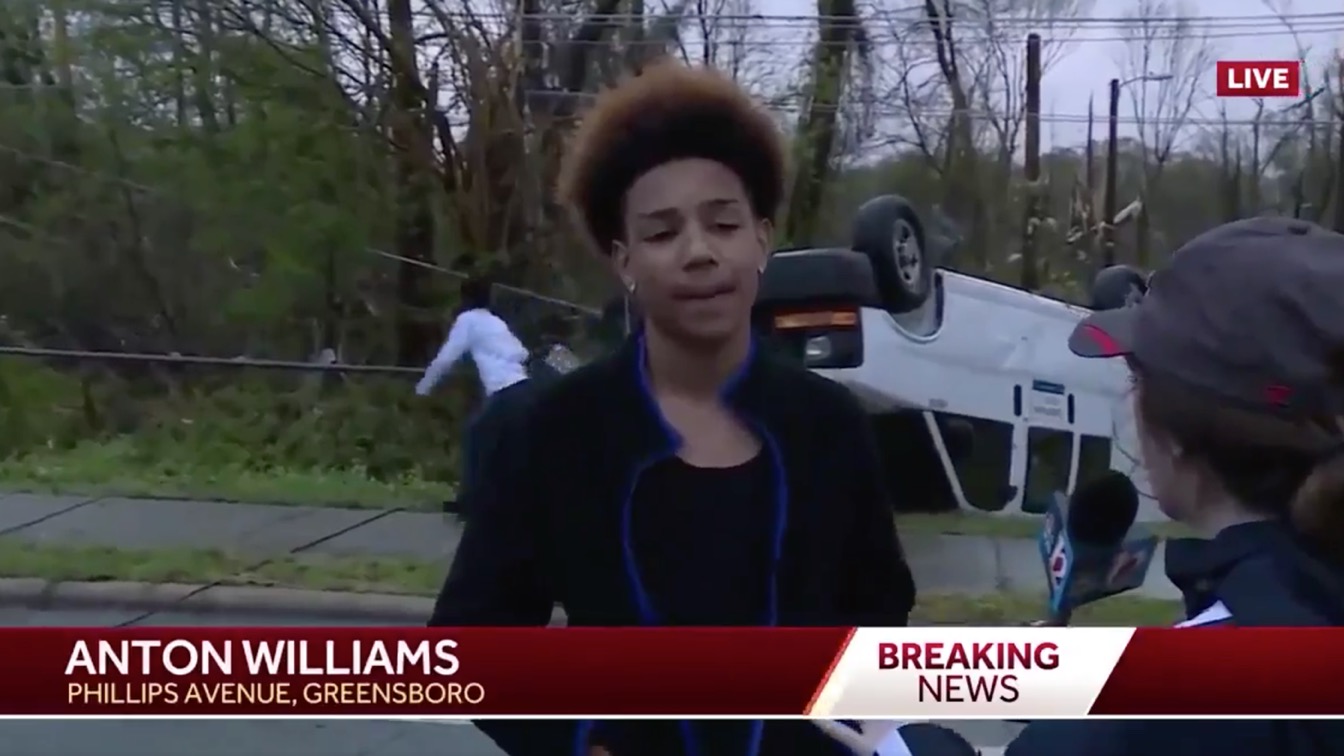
702	539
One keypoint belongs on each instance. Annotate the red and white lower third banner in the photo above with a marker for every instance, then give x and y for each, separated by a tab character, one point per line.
839	673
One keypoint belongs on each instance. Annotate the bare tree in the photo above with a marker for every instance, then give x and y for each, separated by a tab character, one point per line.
956	79
735	37
918	99
1166	65
997	61
1311	140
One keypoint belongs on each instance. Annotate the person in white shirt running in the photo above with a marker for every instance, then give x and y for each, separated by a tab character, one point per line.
501	362
500	357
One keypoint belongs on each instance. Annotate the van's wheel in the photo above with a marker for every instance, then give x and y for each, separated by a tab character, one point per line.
889	232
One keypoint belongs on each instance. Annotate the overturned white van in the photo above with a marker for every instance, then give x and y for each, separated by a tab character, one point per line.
977	401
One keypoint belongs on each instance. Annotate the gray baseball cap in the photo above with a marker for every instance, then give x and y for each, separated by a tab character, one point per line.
1252	311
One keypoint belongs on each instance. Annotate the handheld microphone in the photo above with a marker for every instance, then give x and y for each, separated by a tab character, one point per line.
1084	547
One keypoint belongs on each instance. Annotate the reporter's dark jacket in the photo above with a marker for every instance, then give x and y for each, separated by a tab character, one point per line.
551	528
1249	575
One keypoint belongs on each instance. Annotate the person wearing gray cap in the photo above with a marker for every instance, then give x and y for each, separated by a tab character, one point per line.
1237	358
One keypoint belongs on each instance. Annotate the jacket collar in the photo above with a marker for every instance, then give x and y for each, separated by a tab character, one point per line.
1195	566
649	430
1307	583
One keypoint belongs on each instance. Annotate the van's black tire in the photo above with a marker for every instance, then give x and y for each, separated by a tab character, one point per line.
888	230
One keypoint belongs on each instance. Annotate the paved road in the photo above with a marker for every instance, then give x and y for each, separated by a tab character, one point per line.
942	563
259	738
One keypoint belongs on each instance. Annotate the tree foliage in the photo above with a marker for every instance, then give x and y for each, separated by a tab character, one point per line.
273	178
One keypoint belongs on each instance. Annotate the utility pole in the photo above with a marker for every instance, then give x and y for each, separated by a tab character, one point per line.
1112	159
1031	221
1090	153
1088	206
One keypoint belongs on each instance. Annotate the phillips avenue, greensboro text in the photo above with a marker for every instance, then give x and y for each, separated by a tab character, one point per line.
278	694
267	673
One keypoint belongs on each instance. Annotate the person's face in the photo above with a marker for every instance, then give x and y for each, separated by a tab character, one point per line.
693	250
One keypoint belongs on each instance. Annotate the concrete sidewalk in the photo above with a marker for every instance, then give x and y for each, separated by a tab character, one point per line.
942	563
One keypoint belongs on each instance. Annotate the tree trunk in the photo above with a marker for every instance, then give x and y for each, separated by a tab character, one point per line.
203	68
836	20
417	330
962	198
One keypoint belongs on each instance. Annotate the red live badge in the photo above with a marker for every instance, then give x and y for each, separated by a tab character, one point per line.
1259	78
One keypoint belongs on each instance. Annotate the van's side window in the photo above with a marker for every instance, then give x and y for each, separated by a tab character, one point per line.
982	453
1049	458
1094	458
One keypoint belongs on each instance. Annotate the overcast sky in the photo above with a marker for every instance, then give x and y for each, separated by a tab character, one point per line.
1231	30
1087	67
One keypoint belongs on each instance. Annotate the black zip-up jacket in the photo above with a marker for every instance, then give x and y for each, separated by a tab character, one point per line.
550	526
1254	574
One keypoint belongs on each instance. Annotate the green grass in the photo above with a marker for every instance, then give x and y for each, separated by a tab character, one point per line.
99	564
103	470
122	467
364	441
1003	526
412	577
1020	608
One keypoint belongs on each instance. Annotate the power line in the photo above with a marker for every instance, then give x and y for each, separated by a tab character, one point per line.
184	359
919	16
1129	27
913	14
885	112
995	39
29	228
1139	35
575	306
914	17
157	191
1158	121
971	30
795	104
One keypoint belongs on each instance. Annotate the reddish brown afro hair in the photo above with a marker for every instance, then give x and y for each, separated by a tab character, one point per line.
669	112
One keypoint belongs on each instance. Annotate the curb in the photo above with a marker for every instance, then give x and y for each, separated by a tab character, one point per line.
944	564
35	593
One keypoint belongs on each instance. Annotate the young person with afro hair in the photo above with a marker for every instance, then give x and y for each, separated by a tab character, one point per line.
689	479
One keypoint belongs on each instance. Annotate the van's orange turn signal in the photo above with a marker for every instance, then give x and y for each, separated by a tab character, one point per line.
823	319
